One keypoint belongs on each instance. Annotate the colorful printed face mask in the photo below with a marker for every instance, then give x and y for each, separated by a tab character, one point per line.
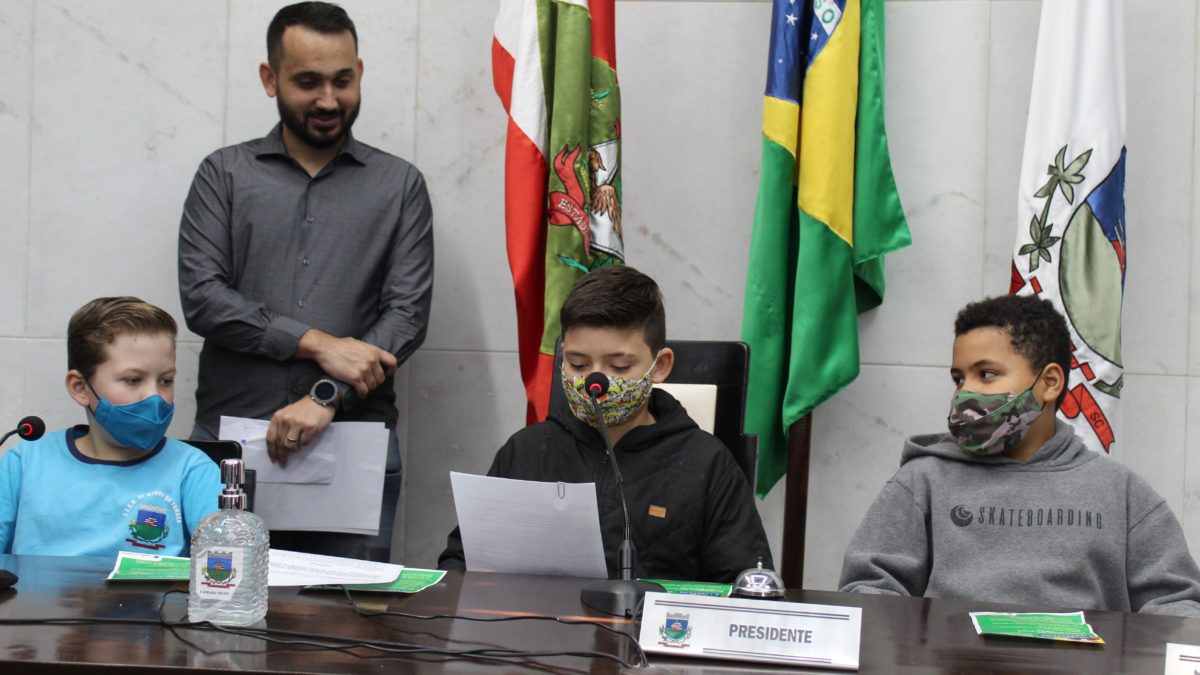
625	397
138	425
989	424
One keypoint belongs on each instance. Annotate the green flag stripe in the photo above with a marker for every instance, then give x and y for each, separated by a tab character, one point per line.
767	317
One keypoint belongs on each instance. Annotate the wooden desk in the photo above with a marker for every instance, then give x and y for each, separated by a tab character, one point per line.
900	635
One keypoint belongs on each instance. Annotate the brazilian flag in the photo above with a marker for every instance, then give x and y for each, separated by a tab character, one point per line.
827	212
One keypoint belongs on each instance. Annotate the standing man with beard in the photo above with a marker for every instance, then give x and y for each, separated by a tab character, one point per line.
306	264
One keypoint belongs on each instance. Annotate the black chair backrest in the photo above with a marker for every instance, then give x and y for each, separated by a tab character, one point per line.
219	450
724	364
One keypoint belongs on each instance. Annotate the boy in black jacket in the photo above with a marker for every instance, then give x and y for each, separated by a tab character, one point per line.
691	508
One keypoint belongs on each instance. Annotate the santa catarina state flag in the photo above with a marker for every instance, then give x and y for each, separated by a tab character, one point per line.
1070	245
827	212
554	68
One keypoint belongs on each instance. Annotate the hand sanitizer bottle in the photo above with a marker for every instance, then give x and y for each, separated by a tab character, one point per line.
229	558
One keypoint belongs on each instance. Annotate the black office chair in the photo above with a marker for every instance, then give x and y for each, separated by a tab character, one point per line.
219	450
724	364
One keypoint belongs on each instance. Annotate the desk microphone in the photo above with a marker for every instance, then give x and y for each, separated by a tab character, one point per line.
29	429
619	597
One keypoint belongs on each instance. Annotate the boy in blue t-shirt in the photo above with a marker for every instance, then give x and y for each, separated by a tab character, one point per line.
116	483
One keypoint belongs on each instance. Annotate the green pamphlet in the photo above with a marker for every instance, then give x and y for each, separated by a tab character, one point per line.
1068	627
411	580
149	567
693	587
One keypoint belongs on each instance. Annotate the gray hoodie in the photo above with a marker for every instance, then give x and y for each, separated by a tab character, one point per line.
1067	529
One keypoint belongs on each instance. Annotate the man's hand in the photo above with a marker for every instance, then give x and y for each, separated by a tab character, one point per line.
295	426
361	365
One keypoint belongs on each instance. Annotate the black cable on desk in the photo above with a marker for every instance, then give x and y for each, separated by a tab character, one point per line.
328	642
526	617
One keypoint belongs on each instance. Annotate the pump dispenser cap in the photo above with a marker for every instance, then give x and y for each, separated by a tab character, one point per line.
233	475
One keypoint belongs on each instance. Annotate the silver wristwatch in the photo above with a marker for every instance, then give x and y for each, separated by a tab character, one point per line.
324	391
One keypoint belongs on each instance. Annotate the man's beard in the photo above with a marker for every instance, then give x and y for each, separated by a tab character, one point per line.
296	122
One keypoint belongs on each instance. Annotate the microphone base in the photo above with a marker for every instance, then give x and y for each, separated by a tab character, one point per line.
617	597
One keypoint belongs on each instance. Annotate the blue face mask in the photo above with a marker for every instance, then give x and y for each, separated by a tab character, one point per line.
138	425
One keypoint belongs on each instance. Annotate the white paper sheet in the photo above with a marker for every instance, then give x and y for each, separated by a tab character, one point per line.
312	464
529	527
289	568
348	501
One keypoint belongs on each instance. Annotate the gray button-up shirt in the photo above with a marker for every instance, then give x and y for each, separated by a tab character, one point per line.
266	252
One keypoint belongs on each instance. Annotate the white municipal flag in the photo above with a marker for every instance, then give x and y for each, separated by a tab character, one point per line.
1070	244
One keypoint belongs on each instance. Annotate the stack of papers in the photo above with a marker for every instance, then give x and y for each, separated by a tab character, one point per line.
334	484
289	568
411	580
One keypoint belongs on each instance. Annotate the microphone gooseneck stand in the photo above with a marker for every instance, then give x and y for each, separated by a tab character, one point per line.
618	597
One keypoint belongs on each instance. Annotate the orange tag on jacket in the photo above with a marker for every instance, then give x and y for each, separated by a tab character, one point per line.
658	511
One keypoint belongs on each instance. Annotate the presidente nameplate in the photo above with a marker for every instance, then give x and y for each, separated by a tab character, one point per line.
824	636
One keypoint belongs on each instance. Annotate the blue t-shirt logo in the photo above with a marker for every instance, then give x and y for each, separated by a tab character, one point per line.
149	527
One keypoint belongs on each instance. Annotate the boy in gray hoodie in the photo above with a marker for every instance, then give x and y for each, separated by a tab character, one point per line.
1010	506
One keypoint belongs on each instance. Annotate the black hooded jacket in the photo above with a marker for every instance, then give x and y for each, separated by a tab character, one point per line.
690	507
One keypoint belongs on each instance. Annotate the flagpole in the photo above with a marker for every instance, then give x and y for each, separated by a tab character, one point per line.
795	507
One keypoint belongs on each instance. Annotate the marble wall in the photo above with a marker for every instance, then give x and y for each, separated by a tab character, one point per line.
107	107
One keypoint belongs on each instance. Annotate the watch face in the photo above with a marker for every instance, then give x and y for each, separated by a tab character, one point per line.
324	391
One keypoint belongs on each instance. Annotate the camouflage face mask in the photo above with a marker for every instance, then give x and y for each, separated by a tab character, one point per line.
989	424
624	398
